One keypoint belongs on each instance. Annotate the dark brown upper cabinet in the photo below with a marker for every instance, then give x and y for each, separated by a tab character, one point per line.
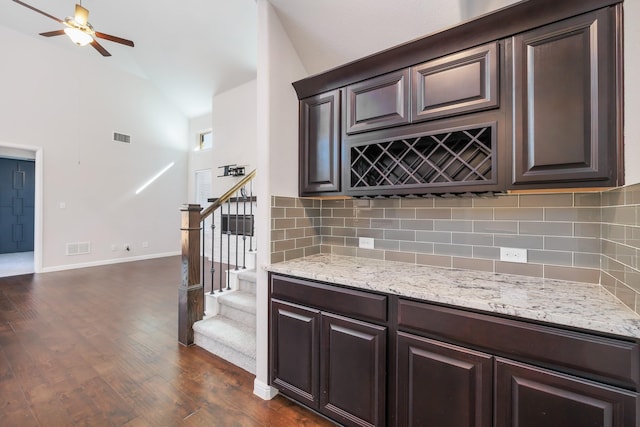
460	83
319	144
564	113
377	103
549	73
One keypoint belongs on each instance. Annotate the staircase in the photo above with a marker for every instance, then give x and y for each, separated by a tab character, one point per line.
228	308
228	329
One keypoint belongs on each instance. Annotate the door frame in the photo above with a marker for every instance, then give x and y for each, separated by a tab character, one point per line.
38	219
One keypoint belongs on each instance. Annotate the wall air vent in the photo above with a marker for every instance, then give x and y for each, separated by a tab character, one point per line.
121	137
78	248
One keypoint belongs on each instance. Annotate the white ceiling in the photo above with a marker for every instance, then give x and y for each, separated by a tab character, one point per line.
193	49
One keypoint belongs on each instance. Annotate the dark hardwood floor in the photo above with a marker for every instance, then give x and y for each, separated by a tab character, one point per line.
98	347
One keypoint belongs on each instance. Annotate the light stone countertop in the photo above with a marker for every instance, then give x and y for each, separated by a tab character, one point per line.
574	304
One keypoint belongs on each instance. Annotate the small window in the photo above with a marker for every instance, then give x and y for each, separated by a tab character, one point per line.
205	140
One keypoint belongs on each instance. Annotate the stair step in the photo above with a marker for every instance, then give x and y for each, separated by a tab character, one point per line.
248	275
238	306
228	340
247	281
240	300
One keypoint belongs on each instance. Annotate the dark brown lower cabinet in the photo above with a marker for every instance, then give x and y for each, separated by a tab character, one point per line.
443	385
527	396
295	351
368	359
333	364
353	371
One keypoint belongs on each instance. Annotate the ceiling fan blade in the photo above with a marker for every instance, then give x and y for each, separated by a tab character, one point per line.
39	11
53	33
97	46
82	15
114	39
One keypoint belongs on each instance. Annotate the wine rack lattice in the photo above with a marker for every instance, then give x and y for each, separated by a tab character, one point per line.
454	157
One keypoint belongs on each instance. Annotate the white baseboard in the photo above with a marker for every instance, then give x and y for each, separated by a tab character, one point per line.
264	391
108	262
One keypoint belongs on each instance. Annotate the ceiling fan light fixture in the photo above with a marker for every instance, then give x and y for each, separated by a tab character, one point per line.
77	36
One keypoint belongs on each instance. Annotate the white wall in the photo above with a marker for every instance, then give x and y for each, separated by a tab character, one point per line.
70	108
278	66
472	8
198	160
632	91
234	133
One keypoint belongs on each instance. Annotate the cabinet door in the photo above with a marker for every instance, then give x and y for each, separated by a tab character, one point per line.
377	103
320	144
564	102
294	351
531	397
456	84
352	371
442	385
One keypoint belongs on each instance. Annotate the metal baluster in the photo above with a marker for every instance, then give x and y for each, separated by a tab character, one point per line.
213	252
202	276
228	242
251	214
221	231
243	191
236	230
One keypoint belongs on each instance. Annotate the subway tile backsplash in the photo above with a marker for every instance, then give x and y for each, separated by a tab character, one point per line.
588	237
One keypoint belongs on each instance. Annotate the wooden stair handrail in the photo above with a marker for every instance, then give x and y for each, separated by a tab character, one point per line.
226	196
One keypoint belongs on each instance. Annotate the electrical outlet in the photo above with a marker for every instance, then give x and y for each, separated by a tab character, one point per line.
114	248
145	244
513	255
366	242
127	247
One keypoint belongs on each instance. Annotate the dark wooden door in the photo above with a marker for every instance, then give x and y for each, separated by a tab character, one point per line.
353	371
565	102
527	396
319	144
17	196
294	351
442	385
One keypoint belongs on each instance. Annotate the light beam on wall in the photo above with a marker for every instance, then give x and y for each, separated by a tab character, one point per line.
156	176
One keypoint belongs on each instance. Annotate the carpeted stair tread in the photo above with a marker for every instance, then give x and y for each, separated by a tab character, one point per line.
248	275
220	329
240	300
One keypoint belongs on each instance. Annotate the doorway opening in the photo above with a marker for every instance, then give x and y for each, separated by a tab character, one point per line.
20	210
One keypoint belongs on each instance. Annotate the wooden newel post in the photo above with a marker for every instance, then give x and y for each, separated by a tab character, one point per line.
190	296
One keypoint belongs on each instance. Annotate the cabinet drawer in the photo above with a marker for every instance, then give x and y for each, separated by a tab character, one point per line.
348	302
379	102
456	84
608	360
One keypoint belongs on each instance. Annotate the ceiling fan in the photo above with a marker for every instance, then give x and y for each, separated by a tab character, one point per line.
79	29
